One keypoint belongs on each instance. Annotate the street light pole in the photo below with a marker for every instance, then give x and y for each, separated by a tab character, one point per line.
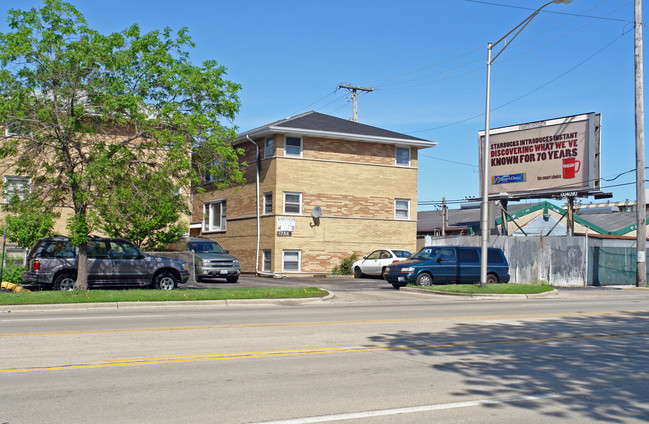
484	220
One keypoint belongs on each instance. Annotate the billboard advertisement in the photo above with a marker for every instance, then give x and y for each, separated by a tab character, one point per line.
545	158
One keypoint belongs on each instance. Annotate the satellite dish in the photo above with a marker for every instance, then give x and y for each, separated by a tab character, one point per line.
316	212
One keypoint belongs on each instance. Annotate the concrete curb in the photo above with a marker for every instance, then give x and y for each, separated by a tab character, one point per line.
169	304
551	293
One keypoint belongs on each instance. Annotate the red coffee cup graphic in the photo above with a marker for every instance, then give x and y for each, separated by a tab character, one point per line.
570	167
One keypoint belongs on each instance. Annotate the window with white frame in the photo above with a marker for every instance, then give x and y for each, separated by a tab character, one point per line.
268	203
16	186
269	147
402	209
402	155
215	171
214	216
267	260
293	146
291	260
292	203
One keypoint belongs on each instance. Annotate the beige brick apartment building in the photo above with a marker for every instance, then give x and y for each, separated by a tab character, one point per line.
326	188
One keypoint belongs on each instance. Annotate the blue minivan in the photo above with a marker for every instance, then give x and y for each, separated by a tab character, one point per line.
447	264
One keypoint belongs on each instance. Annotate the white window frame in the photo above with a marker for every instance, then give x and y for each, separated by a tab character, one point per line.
209	210
266	259
299	260
398	209
396	155
299	212
269	147
267	204
207	176
16	182
299	155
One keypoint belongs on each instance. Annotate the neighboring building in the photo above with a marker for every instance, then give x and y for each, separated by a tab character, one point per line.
327	188
543	218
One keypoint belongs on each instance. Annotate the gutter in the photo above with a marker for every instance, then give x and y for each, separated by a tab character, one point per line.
257	166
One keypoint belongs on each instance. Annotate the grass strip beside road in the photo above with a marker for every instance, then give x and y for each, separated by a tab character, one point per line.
143	295
511	288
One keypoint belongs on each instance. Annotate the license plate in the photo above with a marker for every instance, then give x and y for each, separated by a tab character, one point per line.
402	279
224	271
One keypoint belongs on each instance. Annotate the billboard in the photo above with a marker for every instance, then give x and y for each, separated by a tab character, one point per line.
557	157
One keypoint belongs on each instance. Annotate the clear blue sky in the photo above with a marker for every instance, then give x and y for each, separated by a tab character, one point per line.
426	61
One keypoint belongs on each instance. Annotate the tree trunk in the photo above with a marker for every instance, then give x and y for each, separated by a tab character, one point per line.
81	284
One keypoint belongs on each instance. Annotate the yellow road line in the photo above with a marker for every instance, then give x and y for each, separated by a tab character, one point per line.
298	352
307	324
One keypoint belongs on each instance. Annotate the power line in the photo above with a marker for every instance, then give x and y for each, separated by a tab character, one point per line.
551	11
529	92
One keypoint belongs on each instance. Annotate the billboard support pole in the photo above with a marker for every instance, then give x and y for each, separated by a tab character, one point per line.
503	217
570	223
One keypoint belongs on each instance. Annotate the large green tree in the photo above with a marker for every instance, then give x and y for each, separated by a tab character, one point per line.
87	113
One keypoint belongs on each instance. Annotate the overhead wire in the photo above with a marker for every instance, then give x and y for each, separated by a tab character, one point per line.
529	92
555	12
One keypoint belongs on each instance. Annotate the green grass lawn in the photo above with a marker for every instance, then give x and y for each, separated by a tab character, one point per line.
144	295
491	288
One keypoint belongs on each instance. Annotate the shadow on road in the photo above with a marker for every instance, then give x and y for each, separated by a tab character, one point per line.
601	363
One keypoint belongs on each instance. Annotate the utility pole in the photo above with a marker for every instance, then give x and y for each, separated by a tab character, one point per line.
641	203
353	91
444	216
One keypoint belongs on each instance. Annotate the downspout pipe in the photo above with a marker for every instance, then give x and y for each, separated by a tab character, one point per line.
257	166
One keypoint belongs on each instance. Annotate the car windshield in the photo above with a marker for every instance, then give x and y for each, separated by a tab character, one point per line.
402	253
205	247
426	253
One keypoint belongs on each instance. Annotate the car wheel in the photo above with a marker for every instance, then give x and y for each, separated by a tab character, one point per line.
424	279
492	279
65	282
166	281
357	272
232	280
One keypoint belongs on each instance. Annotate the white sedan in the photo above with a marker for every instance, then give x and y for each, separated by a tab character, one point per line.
375	262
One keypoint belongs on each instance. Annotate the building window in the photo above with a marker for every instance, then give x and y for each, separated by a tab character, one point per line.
402	209
267	260
293	146
291	260
215	171
269	147
268	203
214	216
293	203
16	186
403	156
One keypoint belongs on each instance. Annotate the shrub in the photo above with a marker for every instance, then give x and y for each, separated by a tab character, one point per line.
13	275
345	267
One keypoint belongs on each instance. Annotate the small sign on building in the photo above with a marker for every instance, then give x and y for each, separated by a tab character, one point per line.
285	224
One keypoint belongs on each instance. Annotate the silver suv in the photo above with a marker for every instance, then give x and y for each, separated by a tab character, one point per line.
117	262
210	259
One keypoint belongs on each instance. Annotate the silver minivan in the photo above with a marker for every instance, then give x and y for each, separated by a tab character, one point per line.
210	259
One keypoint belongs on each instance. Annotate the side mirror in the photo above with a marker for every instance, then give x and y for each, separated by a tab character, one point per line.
226	251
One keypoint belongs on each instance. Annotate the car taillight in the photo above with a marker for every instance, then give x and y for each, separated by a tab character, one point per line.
36	265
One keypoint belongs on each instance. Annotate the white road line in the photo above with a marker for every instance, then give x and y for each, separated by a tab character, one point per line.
78	318
410	410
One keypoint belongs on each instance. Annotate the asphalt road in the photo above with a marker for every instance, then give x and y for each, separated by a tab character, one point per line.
370	354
